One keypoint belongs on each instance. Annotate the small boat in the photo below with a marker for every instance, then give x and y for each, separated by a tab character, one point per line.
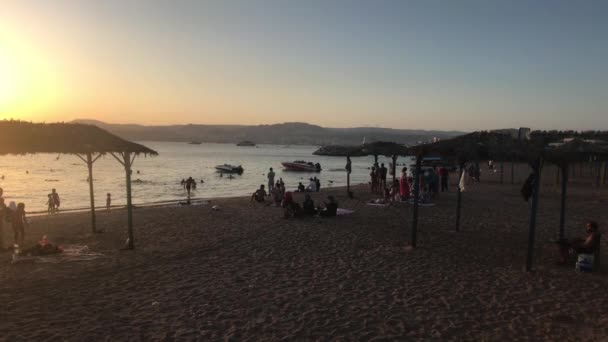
195	143
246	143
300	165
227	168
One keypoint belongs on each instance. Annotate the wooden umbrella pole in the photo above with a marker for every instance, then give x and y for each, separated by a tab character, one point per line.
348	171
91	192
562	214
128	163
459	202
502	172
416	199
512	172
534	209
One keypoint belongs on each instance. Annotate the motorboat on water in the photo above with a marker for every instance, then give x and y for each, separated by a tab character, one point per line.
195	143
227	168
246	143
301	165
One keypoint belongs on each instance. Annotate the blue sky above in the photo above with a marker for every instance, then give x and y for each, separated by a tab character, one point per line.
409	64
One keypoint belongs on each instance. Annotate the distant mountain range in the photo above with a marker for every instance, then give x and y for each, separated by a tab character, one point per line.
290	133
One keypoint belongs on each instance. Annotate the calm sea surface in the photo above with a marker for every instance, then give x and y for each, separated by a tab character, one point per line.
30	178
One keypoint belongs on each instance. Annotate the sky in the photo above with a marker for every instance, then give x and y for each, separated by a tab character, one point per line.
429	64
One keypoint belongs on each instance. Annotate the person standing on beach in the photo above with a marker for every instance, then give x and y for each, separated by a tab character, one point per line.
189	182
270	180
19	222
56	200
404	186
317	184
383	172
50	204
108	201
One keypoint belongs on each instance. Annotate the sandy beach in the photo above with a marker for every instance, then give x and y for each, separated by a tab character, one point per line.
246	273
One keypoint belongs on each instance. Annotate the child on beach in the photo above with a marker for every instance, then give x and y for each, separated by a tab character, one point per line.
51	204
108	201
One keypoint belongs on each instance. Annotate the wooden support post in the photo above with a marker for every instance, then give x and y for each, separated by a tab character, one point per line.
91	192
416	199
394	169
531	232
502	172
562	213
512	172
348	171
604	173
128	163
459	202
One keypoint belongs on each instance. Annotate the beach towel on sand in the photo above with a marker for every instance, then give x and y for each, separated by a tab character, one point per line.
341	211
377	204
420	204
70	253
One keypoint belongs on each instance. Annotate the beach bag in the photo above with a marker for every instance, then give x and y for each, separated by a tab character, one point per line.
584	263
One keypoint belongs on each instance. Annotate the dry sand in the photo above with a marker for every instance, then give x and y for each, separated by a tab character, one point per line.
246	273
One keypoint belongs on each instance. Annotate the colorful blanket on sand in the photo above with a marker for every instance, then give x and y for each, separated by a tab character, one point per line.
70	253
342	211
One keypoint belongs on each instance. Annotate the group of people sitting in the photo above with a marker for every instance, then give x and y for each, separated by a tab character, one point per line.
284	199
314	185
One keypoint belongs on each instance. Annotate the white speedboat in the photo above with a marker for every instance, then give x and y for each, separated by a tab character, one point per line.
227	168
300	165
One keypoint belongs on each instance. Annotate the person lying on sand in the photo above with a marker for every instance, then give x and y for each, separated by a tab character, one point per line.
331	208
259	195
43	247
587	245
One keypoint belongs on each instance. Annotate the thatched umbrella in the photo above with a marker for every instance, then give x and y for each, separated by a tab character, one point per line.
385	148
377	148
475	146
85	141
562	155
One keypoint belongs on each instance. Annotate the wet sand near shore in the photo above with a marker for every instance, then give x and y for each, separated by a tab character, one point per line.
246	273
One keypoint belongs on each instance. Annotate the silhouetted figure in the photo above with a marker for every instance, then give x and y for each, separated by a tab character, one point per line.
189	184
56	200
331	208
19	222
270	176
259	195
308	206
108	201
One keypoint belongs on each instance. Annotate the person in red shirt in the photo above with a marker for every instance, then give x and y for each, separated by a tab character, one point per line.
404	186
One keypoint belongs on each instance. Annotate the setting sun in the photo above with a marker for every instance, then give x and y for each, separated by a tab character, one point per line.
28	84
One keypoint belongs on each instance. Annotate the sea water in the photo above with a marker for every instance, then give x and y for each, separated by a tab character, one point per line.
30	178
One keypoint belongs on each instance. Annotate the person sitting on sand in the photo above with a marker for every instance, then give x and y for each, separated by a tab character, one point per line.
587	245
301	187
308	206
43	247
291	207
331	208
259	195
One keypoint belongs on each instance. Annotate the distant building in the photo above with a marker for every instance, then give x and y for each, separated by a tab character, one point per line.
524	133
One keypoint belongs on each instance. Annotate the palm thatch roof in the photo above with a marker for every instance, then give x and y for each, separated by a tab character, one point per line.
479	146
19	137
576	150
384	148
